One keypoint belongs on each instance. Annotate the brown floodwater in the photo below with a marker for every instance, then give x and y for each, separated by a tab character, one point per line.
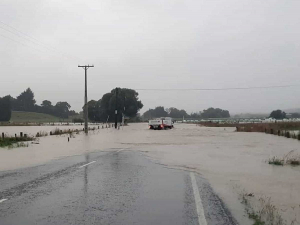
233	162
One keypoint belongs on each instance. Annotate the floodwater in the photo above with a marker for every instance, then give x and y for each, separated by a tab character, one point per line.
232	162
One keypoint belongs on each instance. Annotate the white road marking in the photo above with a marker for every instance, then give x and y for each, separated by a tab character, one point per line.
2	200
122	150
86	164
198	202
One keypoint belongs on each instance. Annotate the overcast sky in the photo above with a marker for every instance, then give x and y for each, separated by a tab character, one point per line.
154	44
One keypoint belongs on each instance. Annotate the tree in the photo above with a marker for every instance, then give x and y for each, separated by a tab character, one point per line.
62	109
26	101
159	111
93	110
195	115
47	107
46	104
5	108
14	104
148	114
128	105
176	113
278	114
215	113
72	113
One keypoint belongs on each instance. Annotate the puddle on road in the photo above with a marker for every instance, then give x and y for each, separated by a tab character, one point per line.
228	159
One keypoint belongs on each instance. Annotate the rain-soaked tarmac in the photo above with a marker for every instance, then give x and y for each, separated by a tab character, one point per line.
108	187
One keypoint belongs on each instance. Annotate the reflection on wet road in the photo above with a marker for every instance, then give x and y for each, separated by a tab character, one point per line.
121	187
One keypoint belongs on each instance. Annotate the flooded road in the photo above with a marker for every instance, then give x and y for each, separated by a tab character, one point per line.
118	187
233	163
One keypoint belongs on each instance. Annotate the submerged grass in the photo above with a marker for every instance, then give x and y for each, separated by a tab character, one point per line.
18	145
57	131
15	141
265	214
288	159
276	161
71	132
41	134
256	218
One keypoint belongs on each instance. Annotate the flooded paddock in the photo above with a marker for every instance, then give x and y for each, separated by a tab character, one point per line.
233	162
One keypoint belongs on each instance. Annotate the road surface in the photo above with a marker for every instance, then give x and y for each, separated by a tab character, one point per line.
108	187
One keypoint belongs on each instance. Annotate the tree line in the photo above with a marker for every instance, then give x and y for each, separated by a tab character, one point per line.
25	102
102	110
125	100
173	112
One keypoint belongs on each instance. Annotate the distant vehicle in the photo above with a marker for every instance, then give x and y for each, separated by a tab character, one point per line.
161	123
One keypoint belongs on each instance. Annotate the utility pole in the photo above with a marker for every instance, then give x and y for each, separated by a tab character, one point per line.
86	128
116	109
123	114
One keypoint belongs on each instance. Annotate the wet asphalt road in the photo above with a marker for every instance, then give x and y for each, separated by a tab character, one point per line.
119	187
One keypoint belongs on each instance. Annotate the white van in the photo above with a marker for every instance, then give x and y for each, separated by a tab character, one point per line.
161	123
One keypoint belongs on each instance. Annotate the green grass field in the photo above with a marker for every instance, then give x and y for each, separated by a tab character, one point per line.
32	117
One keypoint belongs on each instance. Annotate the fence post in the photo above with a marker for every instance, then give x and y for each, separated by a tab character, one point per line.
2	135
21	134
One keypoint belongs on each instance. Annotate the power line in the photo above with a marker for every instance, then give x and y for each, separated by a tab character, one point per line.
215	89
20	31
27	45
33	40
22	43
15	33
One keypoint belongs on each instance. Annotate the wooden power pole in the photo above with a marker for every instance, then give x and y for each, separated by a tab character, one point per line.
116	109
86	128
